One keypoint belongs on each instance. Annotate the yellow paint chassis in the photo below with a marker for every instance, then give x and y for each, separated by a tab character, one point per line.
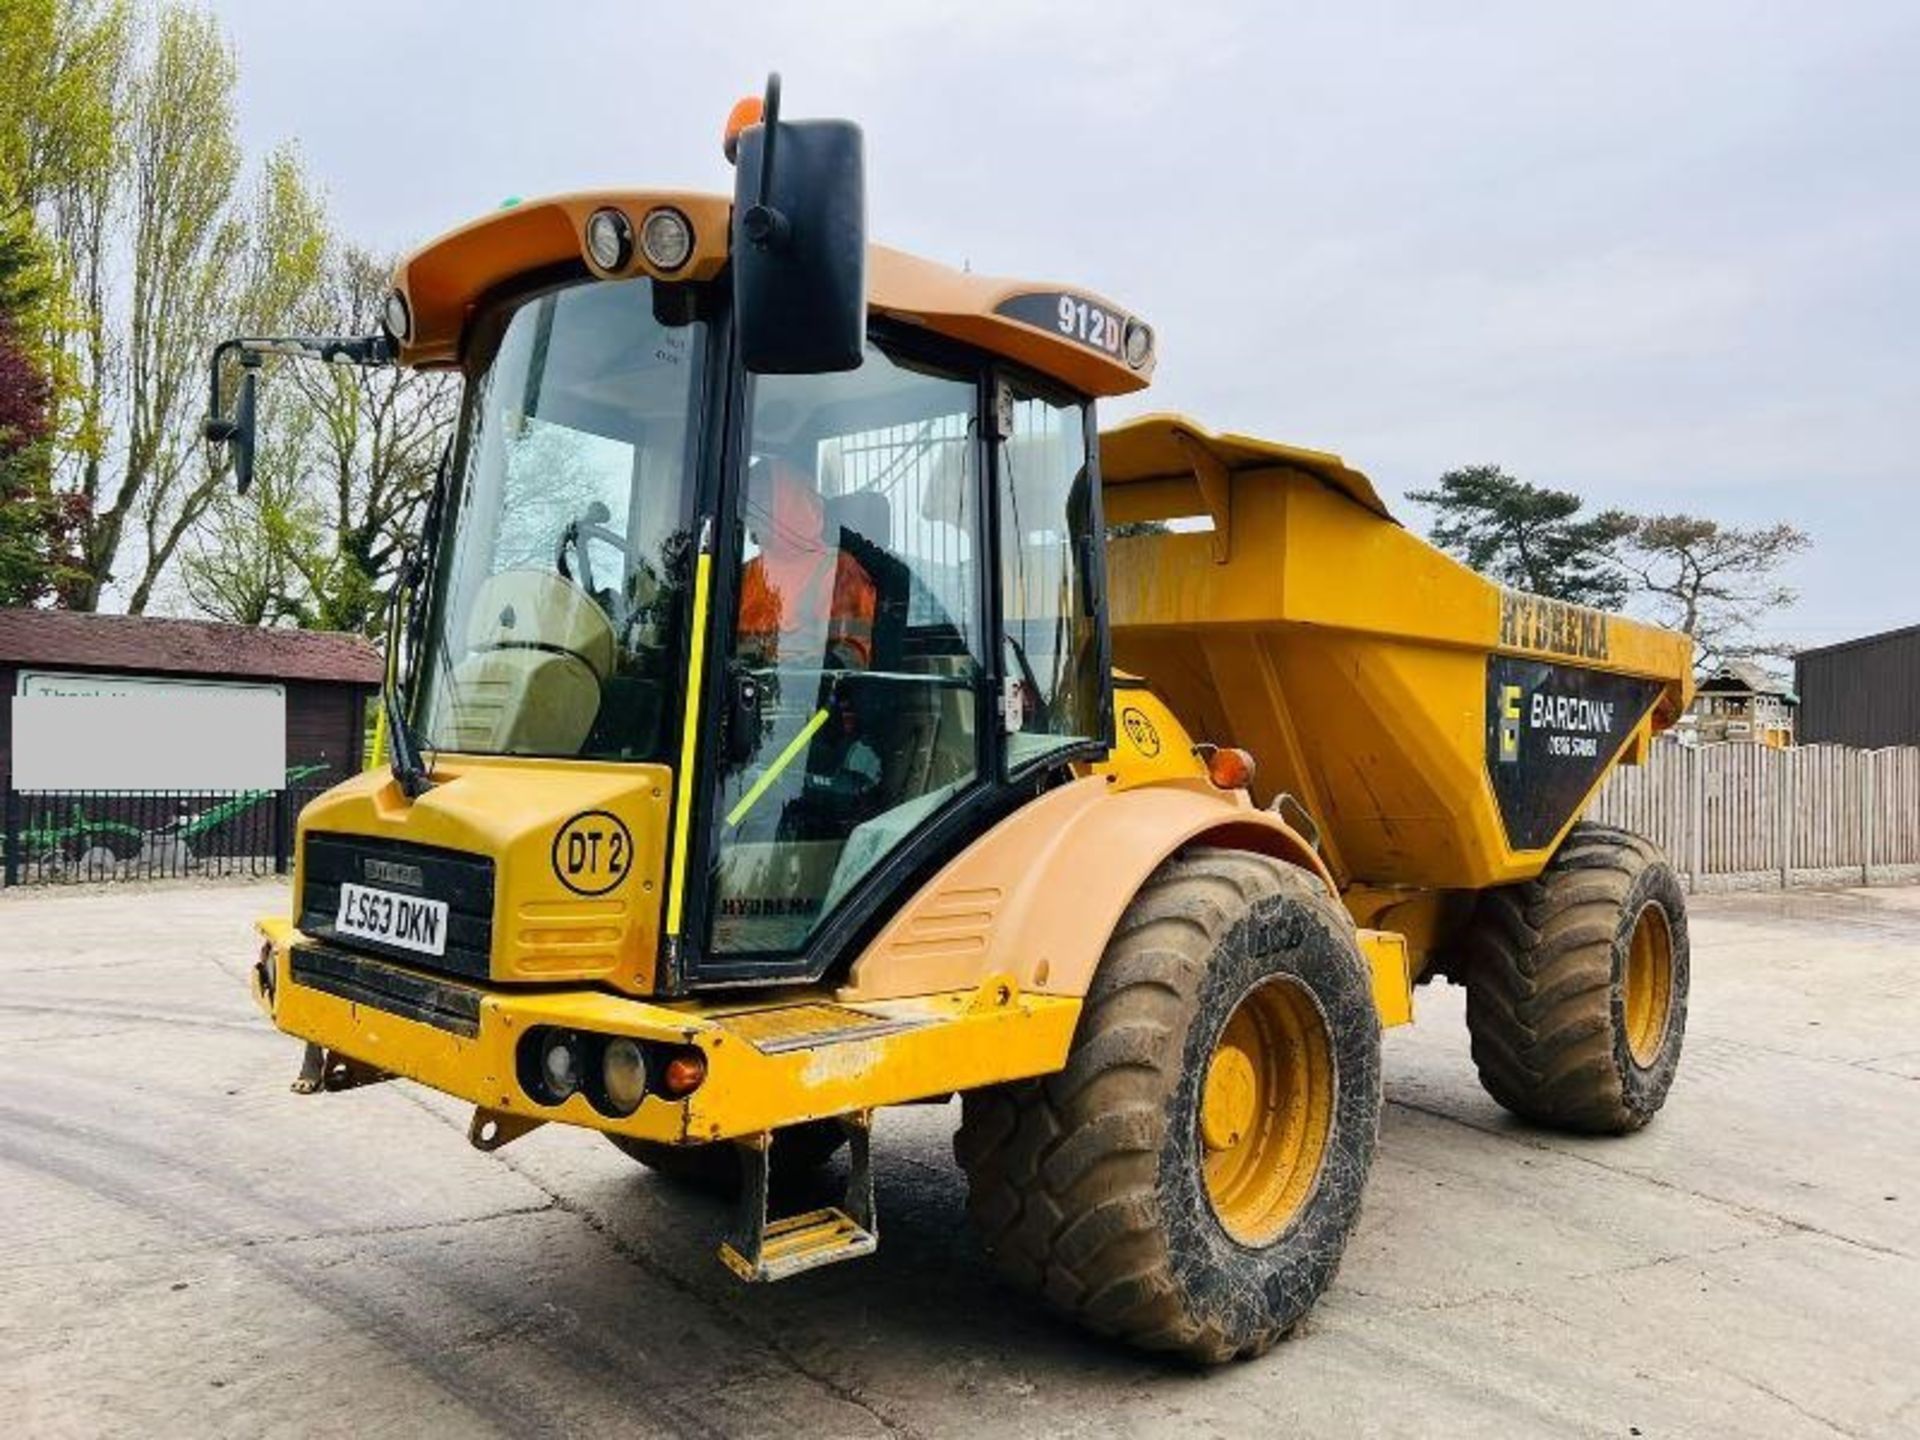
808	1055
802	1057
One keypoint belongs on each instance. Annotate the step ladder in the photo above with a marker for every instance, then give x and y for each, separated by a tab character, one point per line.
762	1247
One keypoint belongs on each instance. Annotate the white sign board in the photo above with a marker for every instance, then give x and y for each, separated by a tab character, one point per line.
116	732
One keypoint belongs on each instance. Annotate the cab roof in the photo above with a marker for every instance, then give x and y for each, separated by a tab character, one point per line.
1063	332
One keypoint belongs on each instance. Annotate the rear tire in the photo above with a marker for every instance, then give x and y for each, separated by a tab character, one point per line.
1158	1189
798	1151
1577	985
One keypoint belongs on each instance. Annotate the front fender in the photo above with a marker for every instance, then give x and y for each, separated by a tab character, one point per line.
1038	895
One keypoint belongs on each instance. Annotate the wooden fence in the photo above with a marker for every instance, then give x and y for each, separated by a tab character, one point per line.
1744	816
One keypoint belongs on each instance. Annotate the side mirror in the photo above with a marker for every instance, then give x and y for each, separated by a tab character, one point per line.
800	244
242	444
238	433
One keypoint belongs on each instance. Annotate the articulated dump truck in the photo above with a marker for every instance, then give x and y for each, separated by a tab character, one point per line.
775	733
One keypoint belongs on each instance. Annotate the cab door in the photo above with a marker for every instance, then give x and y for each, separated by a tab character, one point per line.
1056	703
855	689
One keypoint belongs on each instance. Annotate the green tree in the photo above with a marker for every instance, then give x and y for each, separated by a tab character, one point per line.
37	525
120	140
1528	536
1712	581
53	56
62	82
59	64
262	258
117	137
26	395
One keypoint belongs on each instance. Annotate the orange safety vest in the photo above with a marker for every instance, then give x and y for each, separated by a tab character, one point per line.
789	613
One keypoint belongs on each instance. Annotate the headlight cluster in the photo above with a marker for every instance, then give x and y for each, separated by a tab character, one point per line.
666	238
614	1072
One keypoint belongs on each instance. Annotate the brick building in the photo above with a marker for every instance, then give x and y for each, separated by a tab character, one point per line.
327	678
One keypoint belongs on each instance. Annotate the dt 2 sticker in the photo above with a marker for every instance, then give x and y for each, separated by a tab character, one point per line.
592	852
1552	730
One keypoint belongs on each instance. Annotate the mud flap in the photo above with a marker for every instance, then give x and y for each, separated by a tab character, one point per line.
760	1247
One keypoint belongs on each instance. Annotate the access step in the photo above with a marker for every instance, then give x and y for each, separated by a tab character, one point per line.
803	1242
764	1247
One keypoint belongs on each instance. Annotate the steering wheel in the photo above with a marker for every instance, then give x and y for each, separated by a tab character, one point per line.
592	525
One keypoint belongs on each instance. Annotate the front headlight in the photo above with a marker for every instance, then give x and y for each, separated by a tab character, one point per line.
609	239
666	238
558	1065
397	317
623	1076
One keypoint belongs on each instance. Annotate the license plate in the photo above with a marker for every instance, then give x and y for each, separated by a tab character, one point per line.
403	920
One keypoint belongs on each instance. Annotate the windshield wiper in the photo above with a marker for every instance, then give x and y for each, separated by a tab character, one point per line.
403	754
403	751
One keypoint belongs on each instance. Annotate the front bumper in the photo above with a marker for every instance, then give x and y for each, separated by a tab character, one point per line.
770	1063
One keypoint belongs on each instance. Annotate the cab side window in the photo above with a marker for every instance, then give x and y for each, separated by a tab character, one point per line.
1050	634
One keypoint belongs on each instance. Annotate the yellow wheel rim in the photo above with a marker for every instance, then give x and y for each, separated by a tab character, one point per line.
1648	985
1266	1109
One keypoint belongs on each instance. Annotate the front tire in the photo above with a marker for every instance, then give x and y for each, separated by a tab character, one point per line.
1577	985
1189	1180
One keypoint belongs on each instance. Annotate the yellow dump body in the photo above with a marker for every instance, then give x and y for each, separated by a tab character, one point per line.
1442	732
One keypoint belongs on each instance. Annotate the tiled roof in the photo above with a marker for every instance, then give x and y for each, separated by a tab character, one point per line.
64	639
1745	675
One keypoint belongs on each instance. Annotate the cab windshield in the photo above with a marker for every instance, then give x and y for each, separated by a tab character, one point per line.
565	558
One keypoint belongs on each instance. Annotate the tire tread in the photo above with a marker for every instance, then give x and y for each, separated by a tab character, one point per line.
1541	981
1062	1170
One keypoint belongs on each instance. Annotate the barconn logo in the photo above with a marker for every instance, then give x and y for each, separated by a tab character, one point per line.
1570	713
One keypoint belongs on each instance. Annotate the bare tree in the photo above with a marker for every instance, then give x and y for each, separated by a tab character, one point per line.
242	560
346	462
1712	581
378	437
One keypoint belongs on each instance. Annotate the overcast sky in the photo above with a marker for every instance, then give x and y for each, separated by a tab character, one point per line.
1662	255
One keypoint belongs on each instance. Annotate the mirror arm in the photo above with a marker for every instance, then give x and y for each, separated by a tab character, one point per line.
765	227
770	117
217	427
365	350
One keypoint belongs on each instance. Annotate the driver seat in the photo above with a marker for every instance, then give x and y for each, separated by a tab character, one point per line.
538	650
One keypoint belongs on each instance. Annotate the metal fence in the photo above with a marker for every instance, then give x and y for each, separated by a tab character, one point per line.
69	836
1743	816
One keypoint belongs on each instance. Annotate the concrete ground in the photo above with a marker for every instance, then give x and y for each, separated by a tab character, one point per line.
191	1249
